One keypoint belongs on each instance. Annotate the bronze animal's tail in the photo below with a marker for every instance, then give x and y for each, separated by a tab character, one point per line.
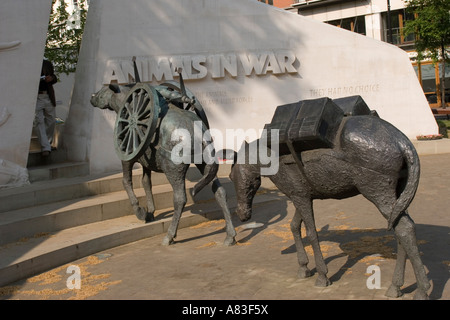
210	166
413	173
209	174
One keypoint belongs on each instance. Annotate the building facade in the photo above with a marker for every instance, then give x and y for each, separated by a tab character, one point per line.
370	18
279	3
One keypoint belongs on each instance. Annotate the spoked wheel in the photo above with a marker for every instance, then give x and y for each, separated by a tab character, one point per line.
196	107
136	122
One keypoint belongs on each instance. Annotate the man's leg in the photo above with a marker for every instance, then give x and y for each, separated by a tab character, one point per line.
50	115
40	124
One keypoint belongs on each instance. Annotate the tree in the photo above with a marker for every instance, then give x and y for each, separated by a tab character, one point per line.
64	35
431	27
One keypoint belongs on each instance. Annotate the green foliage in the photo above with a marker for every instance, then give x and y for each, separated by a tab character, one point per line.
443	127
431	27
64	36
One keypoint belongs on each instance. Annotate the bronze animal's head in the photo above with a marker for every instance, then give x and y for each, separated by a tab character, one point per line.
109	97
247	180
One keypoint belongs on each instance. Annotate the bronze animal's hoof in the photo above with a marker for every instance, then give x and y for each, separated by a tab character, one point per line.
421	295
229	241
143	215
393	292
149	217
167	241
304	273
322	281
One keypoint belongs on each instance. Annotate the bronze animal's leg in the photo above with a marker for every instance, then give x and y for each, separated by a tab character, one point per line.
147	184
176	175
304	206
127	180
221	198
302	257
405	232
383	197
398	278
382	193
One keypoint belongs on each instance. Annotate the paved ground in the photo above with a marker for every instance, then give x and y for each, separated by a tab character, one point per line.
263	264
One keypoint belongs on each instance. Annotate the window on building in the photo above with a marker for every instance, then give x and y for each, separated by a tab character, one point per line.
398	18
429	75
355	24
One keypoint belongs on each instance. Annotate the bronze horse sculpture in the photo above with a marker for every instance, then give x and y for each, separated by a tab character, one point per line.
157	154
368	156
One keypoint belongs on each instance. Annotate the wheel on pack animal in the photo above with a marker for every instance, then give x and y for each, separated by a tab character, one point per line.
136	122
196	107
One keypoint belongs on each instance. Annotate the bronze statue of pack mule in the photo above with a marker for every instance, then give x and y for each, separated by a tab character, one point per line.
147	117
324	158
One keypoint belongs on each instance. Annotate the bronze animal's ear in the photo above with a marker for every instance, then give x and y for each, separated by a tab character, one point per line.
114	87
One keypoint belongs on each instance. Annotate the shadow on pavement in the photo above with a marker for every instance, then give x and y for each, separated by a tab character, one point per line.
357	244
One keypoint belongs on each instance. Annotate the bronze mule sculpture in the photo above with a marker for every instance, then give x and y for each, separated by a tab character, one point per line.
369	157
157	158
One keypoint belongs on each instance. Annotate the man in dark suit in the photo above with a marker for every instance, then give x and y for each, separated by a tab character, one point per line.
44	121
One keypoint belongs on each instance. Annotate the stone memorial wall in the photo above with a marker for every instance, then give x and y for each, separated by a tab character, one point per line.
242	59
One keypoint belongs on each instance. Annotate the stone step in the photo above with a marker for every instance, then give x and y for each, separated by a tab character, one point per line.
44	251
57	170
49	191
44	192
52	222
60	215
35	158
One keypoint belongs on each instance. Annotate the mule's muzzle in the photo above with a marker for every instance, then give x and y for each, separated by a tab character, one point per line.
243	213
92	101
